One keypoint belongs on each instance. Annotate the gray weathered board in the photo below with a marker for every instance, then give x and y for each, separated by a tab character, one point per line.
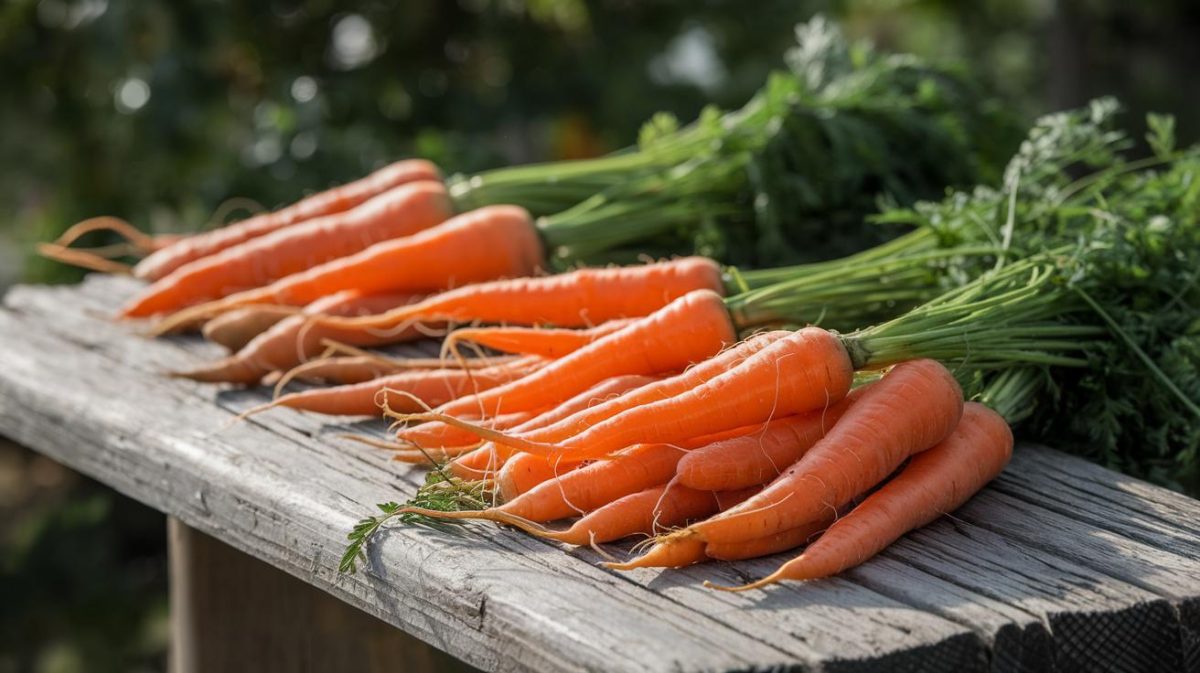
1059	565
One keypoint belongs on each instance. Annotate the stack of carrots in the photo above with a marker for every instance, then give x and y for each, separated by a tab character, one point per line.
719	413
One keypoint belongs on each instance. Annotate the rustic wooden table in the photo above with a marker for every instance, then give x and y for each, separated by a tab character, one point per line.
1059	565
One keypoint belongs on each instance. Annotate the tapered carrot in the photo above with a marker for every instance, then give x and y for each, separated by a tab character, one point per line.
435	386
768	544
344	370
237	328
543	341
583	490
490	457
177	253
485	244
688	551
522	472
690	329
803	371
574	299
916	405
573	424
647	512
759	456
294	340
937	481
260	261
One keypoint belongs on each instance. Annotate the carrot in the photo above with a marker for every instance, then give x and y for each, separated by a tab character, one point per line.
434	386
913	407
768	544
935	482
546	342
689	551
237	328
293	340
646	512
484	244
576	299
343	370
260	261
759	456
597	484
527	471
803	371
690	329
491	457
573	424
178	253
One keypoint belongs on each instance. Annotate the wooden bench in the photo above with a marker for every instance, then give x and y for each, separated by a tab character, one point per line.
1060	565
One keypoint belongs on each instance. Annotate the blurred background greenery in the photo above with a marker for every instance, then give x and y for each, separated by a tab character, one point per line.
182	114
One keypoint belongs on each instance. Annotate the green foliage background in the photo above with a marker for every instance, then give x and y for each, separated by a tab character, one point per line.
268	100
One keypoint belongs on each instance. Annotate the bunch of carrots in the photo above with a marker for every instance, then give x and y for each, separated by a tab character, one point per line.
720	413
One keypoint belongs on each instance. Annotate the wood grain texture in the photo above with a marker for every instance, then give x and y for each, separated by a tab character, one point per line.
1060	566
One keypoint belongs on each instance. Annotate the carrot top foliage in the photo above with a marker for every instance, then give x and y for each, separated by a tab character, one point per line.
790	173
1124	241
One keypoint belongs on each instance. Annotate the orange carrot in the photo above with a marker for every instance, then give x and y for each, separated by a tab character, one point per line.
759	456
575	299
524	471
768	544
293	340
573	424
336	200
237	328
643	512
490	457
484	244
647	512
688	551
260	261
435	386
345	370
690	329
543	341
597	484
913	407
937	481
803	371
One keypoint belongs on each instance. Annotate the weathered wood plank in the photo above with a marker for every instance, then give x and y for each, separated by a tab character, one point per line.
996	587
